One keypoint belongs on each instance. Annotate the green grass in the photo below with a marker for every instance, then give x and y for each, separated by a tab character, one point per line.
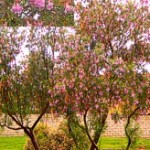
17	143
12	143
120	143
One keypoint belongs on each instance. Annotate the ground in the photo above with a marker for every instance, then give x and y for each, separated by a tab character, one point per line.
17	143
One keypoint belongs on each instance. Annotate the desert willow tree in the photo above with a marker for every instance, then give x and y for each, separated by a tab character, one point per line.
114	26
109	36
133	93
135	102
24	85
82	94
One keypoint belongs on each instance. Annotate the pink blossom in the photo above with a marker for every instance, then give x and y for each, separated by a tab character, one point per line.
96	60
71	85
117	92
50	5
81	76
80	93
63	89
49	91
31	2
100	93
17	8
56	102
121	70
119	100
133	94
28	23
119	61
50	104
81	85
68	8
107	89
144	1
126	91
94	88
140	90
56	87
39	3
136	102
96	106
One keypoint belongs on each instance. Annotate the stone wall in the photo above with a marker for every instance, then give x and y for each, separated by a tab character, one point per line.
113	129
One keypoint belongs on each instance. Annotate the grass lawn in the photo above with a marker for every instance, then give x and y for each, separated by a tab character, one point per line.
120	143
17	143
12	143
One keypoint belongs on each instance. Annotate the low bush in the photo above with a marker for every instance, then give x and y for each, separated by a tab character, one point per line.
50	138
74	130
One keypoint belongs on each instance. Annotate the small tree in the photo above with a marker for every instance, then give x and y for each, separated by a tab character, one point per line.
24	87
103	32
134	103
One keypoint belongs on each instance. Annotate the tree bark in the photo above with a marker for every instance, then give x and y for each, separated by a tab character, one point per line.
34	142
99	132
32	138
94	146
127	125
126	132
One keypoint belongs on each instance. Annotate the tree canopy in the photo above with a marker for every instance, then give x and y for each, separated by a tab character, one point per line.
86	75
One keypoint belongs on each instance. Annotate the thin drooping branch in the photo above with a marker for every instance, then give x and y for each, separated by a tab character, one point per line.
12	128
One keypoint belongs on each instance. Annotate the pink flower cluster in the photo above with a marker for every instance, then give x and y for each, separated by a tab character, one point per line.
38	3
17	8
41	4
50	5
68	8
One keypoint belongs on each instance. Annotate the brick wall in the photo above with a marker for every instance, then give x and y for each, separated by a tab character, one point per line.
117	129
113	129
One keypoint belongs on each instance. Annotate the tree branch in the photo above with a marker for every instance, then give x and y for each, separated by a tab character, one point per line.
87	130
40	116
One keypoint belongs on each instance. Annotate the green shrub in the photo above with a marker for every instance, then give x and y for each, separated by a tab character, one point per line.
133	131
50	138
75	131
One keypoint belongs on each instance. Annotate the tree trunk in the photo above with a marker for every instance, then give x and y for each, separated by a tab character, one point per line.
98	133
96	139
93	147
32	138
127	126
129	143
87	131
127	134
34	142
71	131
